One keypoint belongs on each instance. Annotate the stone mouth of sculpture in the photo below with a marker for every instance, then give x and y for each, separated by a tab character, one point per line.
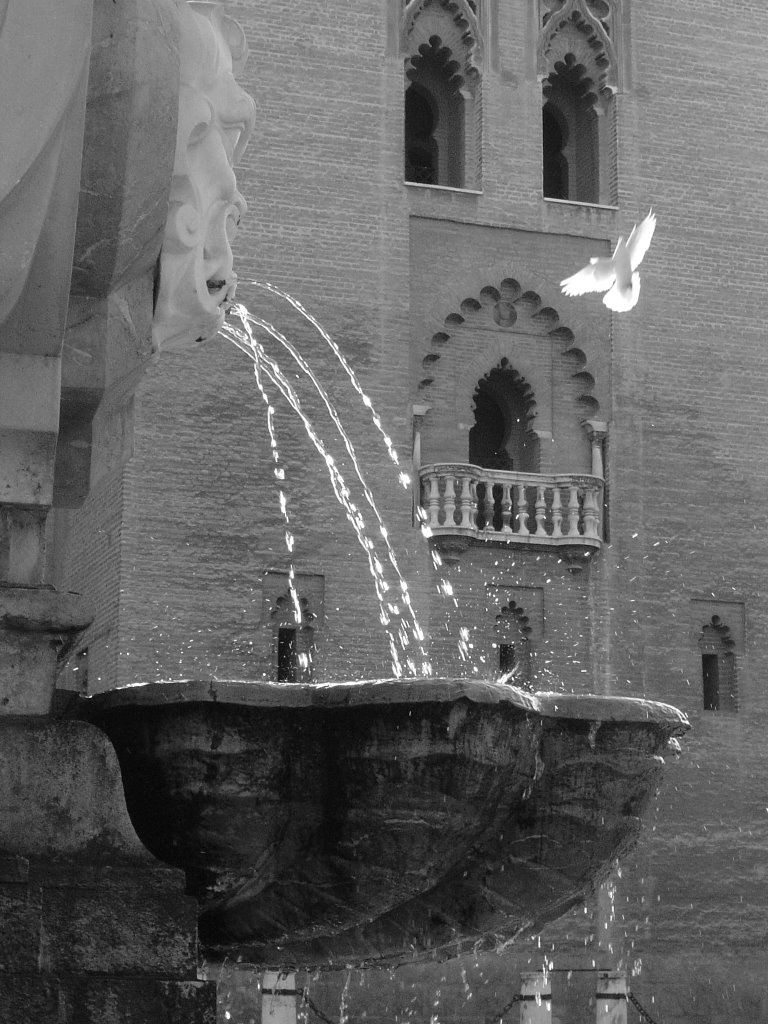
381	821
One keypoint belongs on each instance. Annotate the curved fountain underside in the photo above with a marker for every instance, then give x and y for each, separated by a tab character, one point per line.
382	821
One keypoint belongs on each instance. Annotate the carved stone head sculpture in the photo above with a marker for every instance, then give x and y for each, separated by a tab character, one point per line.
216	118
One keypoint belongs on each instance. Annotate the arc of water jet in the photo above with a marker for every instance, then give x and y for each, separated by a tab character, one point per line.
255	352
266	286
280	475
425	531
246	317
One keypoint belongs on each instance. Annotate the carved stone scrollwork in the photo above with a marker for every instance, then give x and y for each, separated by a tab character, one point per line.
216	118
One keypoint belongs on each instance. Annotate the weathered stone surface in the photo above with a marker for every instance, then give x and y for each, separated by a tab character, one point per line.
137	1001
130	134
60	790
126	930
29	999
20	917
35	622
383	820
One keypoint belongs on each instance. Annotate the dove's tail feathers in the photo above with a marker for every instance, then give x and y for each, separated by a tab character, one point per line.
620	300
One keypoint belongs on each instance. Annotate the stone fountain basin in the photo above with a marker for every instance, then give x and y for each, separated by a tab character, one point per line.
381	821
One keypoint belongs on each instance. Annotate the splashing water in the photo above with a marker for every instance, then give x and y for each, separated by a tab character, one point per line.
265	366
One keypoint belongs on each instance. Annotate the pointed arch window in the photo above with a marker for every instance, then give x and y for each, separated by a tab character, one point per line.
434	118
441	43
500	437
579	71
570	135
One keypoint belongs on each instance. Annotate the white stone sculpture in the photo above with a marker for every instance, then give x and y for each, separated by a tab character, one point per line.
216	118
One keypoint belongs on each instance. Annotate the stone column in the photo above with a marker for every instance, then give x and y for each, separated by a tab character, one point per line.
611	998
278	998
419	412
597	431
535	998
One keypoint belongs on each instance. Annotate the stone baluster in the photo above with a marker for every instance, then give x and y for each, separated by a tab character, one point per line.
506	507
611	998
541	511
522	511
474	508
557	512
432	487
591	513
449	501
489	508
573	511
467	504
535	998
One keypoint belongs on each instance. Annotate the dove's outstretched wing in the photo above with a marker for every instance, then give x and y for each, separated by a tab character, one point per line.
640	238
597	276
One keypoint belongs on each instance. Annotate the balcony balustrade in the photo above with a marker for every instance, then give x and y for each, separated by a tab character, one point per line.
539	509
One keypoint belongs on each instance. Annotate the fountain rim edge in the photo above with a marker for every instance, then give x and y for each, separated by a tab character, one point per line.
387	691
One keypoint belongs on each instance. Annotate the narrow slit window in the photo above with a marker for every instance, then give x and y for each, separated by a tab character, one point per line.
507	659
710	674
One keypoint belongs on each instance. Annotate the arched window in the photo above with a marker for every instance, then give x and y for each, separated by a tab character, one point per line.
570	136
441	43
554	140
499	438
434	118
421	155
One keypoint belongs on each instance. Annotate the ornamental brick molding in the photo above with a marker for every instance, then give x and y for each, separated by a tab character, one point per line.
573	29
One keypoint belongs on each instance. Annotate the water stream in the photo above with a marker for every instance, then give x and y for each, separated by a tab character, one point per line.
401	623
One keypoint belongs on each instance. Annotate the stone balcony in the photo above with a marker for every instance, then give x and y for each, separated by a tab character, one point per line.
557	510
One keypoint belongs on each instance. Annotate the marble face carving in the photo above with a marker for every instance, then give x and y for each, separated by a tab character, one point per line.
216	118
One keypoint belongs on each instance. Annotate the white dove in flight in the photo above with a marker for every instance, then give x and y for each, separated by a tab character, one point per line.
616	275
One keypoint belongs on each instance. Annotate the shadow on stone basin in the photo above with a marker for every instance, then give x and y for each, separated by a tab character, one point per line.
381	821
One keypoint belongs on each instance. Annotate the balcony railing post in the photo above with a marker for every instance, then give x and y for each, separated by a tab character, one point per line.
522	511
591	513
433	500
541	511
573	511
557	512
466	503
449	501
506	507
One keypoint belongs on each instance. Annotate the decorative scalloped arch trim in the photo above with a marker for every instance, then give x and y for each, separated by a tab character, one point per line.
283	610
575	30
514	613
525	390
509	305
443	56
453	21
